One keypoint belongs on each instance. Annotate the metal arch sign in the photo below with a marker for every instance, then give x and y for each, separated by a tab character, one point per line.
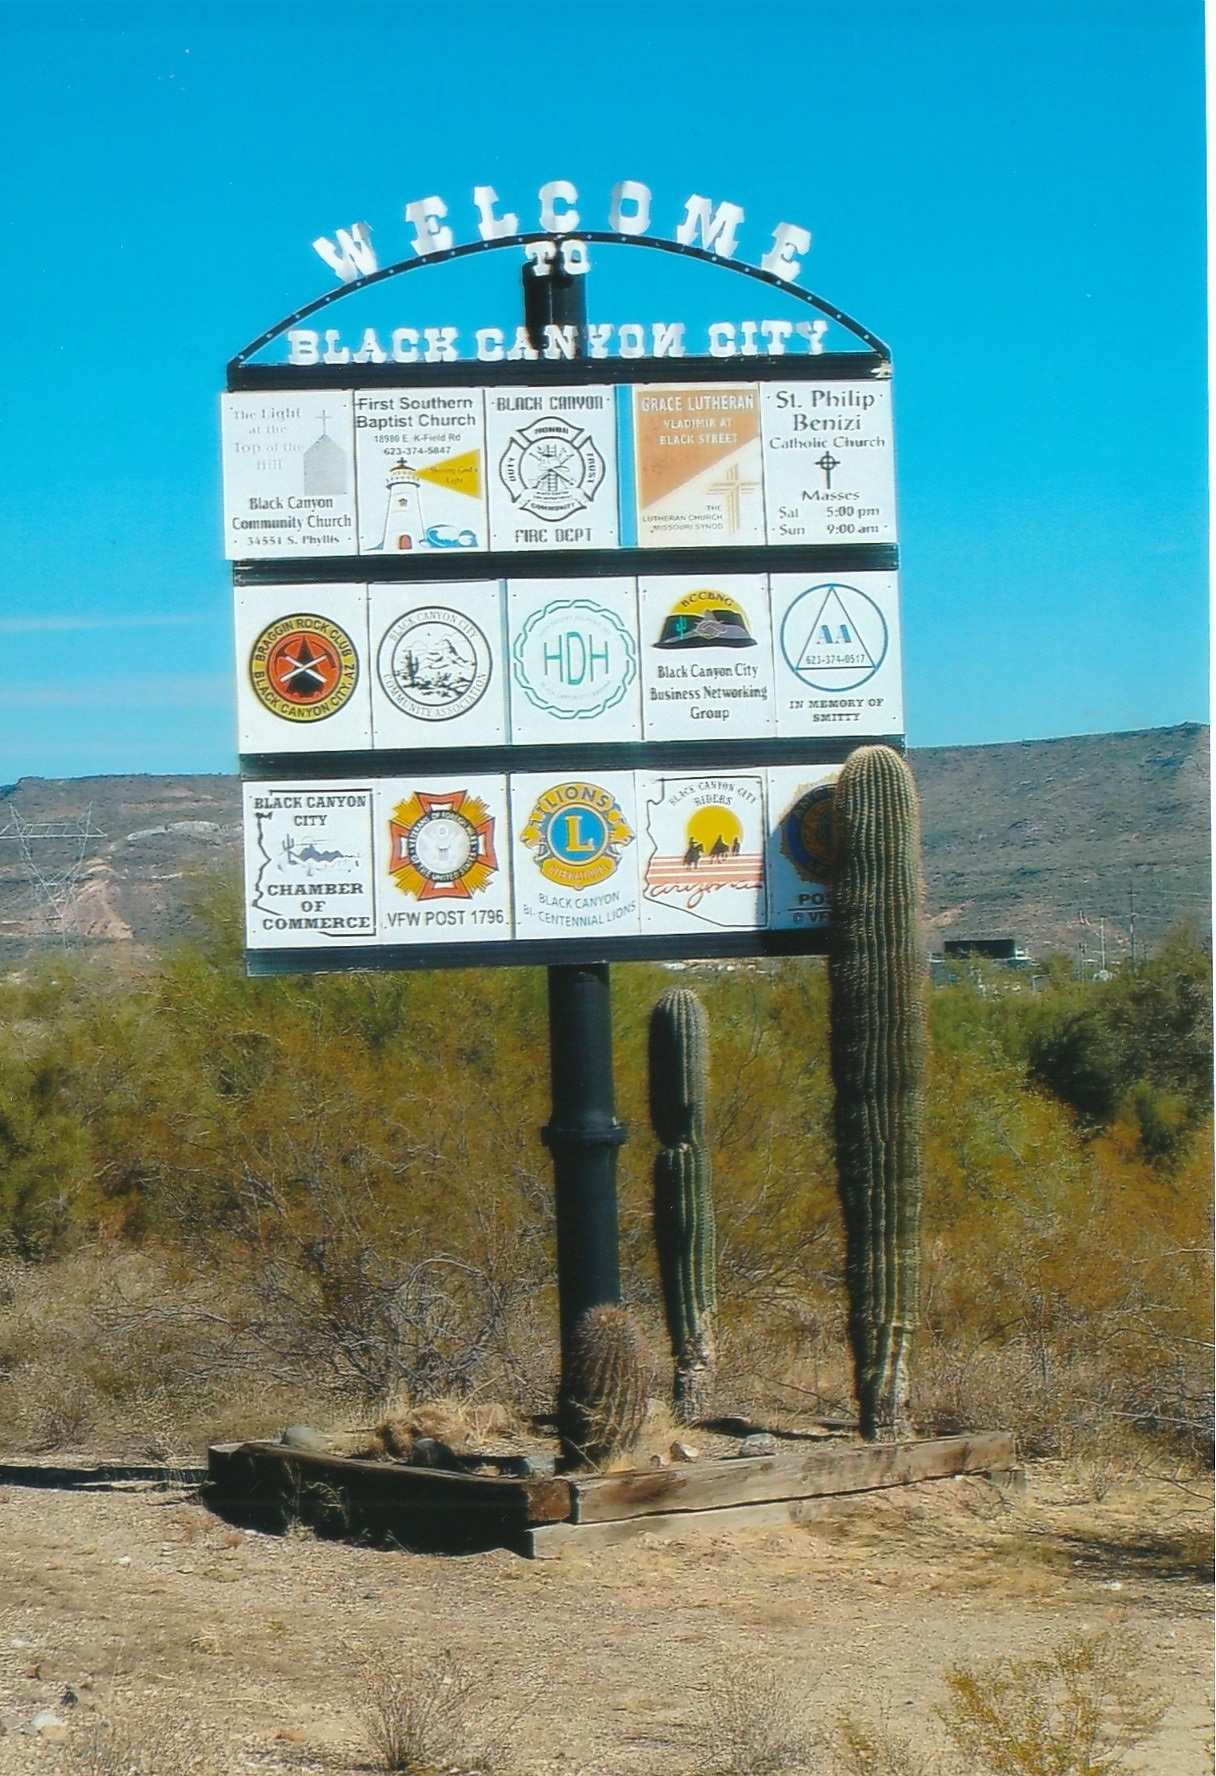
548	656
562	258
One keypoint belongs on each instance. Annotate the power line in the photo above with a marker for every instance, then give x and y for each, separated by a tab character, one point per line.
52	854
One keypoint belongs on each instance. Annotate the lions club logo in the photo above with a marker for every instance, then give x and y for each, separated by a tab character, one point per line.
576	832
304	668
442	846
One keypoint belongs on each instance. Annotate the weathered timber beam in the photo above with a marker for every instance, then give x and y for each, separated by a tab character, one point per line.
260	1471
811	1473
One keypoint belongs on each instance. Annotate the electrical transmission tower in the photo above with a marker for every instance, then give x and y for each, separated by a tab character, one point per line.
52	854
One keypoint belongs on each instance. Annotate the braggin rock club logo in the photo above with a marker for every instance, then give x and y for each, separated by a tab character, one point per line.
442	846
304	668
551	468
576	833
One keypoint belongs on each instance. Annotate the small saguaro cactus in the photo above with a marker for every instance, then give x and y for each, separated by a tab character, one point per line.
683	1194
605	1388
876	980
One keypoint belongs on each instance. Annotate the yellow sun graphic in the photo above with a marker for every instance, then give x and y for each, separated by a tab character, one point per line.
708	825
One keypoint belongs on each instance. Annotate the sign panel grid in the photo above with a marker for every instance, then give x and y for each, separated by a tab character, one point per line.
568	681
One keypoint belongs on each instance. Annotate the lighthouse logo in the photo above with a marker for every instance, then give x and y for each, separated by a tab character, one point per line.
416	496
551	468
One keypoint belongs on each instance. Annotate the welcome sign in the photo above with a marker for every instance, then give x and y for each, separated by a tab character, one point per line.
553	657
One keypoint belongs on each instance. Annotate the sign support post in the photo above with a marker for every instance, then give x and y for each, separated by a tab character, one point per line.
583	1133
583	1136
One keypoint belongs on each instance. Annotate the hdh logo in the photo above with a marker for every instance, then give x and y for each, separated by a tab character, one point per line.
574	659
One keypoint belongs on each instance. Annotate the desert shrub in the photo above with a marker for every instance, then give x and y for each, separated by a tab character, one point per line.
433	1713
1140	1042
1076	1711
159	1747
345	1171
751	1722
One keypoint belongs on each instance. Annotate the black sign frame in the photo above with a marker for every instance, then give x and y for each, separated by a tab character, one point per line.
683	756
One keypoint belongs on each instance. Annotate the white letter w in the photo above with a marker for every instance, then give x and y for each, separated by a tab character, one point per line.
353	257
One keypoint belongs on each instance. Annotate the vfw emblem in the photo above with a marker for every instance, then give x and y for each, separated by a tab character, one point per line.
442	846
551	468
576	832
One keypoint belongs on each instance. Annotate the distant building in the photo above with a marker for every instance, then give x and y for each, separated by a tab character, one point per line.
990	949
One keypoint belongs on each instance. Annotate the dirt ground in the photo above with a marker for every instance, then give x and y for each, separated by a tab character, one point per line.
148	1610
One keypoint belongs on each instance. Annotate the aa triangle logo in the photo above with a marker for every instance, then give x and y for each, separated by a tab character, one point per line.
834	637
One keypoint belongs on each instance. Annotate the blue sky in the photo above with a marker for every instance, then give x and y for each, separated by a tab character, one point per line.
1009	192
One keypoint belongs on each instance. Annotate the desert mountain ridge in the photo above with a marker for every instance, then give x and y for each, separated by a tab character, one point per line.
1059	843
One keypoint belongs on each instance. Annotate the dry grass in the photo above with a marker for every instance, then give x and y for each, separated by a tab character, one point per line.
862	1747
1077	1710
143	1748
427	1715
465	1426
751	1722
133	1354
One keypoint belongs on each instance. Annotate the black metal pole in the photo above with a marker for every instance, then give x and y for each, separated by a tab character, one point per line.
583	1133
554	296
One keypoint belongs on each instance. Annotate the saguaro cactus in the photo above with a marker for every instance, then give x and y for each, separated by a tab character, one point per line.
605	1388
683	1197
876	974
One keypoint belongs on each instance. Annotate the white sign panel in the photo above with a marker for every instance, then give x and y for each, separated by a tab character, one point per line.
694	465
551	465
836	653
575	855
799	845
309	875
303	683
707	658
574	660
420	456
445	863
829	463
438	672
289	474
704	859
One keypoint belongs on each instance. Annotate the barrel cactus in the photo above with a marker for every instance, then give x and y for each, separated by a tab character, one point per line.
605	1388
683	1196
876	977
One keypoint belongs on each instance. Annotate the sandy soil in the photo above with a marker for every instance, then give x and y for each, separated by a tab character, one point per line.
151	1611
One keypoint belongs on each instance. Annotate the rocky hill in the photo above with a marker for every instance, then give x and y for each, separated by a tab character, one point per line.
1055	842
